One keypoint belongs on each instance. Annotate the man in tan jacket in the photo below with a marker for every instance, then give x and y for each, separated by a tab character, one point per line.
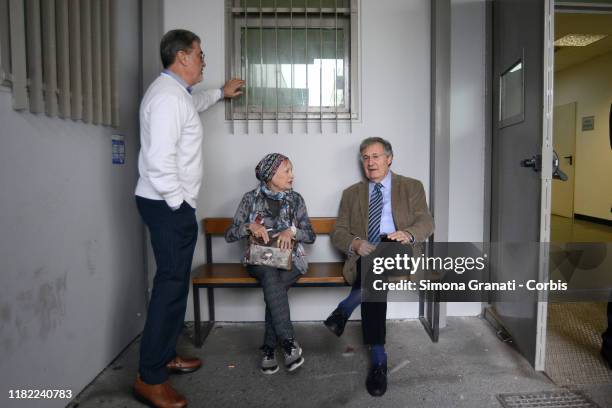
387	206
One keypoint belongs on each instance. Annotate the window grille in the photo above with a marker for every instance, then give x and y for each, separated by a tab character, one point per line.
299	60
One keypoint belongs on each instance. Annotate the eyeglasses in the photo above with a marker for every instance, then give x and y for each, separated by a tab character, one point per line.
202	55
374	157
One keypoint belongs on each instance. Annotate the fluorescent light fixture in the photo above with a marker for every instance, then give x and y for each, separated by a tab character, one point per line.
578	40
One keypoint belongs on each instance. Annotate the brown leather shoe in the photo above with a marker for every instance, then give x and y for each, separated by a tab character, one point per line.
184	365
158	395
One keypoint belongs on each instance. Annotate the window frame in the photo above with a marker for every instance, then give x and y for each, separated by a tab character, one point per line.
270	18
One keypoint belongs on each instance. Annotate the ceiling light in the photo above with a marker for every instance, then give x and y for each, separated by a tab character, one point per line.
578	40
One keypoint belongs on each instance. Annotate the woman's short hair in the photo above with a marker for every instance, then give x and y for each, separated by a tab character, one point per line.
371	140
174	41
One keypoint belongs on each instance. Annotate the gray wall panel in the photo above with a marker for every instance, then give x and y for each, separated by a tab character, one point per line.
72	294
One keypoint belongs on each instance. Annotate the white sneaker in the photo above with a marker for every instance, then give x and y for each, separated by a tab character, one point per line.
293	354
268	361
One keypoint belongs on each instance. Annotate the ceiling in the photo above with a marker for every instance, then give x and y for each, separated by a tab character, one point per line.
580	23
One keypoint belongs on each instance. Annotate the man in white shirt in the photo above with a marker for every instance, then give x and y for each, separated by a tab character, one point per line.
170	168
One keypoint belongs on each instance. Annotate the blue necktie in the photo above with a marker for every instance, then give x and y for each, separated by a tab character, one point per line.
375	214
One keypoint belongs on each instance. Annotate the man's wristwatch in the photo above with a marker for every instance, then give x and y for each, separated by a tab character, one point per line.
293	231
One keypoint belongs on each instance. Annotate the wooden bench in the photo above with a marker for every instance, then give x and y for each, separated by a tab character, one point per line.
320	274
234	275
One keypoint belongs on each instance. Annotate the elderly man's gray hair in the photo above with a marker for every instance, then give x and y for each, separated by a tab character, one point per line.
371	140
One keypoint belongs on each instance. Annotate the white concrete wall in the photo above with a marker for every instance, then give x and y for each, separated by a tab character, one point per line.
467	129
590	85
395	71
72	283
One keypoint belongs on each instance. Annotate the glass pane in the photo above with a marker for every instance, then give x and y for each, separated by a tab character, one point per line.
511	94
315	78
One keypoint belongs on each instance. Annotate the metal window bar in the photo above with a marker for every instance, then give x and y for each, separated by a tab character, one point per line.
49	60
63	58
262	93
19	76
306	64
292	92
321	67
246	64
336	66
34	53
276	72
353	66
231	69
87	61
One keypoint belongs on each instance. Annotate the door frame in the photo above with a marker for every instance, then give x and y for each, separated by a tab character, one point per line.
547	157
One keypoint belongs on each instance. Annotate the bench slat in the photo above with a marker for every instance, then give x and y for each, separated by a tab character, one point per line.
217	226
236	274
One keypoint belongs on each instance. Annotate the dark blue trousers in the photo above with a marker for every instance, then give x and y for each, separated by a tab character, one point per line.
373	313
173	238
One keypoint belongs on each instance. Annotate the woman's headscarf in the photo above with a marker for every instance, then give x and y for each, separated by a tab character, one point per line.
265	169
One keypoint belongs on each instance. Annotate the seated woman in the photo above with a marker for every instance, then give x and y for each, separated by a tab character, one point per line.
274	210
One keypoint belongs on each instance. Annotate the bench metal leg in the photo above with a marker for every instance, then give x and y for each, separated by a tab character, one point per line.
211	304
196	317
208	326
429	313
202	330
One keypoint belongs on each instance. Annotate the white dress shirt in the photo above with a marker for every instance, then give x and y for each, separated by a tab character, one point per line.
170	158
387	226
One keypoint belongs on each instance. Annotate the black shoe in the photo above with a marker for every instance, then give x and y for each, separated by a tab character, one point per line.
376	383
336	322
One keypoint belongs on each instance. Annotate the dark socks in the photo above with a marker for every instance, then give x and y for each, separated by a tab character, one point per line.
378	355
348	305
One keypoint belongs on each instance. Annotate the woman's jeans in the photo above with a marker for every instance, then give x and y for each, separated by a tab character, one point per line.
275	283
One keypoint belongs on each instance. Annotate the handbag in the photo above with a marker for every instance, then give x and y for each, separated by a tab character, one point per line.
269	254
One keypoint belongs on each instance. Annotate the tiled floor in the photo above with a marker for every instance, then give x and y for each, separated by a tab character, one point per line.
574	329
571	230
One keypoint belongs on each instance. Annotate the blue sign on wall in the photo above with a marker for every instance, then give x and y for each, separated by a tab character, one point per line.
118	149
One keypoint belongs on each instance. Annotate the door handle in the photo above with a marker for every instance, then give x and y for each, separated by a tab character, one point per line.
535	163
557	174
571	159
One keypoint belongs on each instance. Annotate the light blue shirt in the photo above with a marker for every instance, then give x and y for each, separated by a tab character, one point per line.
183	83
386	221
178	79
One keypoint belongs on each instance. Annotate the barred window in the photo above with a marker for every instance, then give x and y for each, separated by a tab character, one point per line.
57	57
298	58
